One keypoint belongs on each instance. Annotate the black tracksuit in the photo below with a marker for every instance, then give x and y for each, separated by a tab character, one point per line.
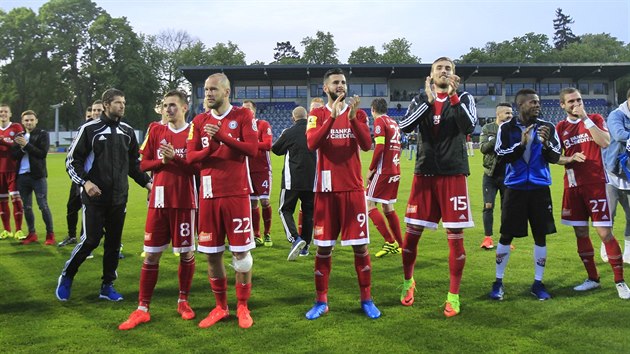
105	152
298	178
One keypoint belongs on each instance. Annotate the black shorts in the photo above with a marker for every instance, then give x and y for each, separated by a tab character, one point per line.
521	206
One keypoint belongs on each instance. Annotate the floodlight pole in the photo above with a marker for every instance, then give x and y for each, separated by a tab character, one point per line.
56	108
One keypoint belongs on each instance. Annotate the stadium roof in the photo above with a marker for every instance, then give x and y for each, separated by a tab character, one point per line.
576	71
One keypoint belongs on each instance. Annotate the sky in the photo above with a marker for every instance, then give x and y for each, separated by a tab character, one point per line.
435	28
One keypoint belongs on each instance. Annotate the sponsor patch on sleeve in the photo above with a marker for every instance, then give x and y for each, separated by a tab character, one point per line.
312	122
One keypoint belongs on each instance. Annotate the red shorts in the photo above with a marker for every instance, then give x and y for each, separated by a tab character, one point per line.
8	185
578	203
344	212
383	188
439	197
165	225
223	216
261	183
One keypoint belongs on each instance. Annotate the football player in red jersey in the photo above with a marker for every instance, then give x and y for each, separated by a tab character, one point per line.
336	132
444	117
260	174
8	172
384	177
221	140
172	204
583	136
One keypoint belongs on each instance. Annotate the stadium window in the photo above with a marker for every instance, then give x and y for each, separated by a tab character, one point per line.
529	86
252	91
554	89
600	88
512	89
200	92
317	90
583	87
368	90
482	89
290	91
278	92
264	92
494	89
355	89
381	90
543	89
302	91
471	88
240	92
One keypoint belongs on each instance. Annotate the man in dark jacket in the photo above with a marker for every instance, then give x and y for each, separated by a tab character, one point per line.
100	158
30	151
444	117
298	176
527	144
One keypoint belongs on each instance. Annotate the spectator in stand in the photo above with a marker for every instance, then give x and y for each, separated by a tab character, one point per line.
31	150
298	176
493	170
260	174
384	177
8	168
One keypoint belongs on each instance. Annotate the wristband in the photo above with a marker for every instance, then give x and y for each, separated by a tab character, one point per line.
588	123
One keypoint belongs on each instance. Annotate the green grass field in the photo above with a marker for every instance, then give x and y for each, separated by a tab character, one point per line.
32	320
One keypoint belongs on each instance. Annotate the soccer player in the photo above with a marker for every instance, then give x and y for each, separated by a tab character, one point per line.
101	159
260	174
221	140
298	176
172	204
336	132
383	178
527	144
74	198
493	169
582	136
444	117
8	171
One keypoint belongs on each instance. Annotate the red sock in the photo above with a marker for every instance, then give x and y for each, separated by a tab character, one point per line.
456	260
243	292
148	279
256	221
614	258
4	214
379	222
185	275
363	266
266	215
394	225
323	264
219	288
410	250
18	213
586	253
300	222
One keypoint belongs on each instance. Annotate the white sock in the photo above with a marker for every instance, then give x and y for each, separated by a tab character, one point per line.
540	258
502	258
143	308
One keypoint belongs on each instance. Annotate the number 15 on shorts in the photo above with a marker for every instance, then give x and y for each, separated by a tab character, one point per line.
459	203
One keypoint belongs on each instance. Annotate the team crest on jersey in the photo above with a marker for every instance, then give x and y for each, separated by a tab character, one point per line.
12	133
232	124
377	130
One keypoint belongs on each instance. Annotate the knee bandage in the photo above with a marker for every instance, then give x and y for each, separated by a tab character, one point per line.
243	265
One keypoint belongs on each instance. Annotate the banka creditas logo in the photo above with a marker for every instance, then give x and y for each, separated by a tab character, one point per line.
577	139
344	133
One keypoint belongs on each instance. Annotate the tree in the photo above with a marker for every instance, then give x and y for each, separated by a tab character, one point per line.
530	48
285	53
364	55
398	51
563	34
257	62
593	48
320	50
226	54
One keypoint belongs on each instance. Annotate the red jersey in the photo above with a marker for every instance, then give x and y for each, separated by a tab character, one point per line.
7	135
224	169
337	143
174	183
262	161
576	138
386	158
151	125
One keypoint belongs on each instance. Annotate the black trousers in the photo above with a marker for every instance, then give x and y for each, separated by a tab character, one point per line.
288	202
72	209
99	221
